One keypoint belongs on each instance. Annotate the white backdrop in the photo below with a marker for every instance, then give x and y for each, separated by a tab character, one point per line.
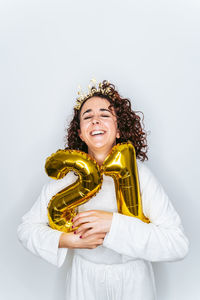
150	51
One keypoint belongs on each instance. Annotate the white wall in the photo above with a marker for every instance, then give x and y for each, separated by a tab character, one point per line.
150	51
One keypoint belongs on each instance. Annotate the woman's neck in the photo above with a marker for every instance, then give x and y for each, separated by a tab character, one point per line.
99	156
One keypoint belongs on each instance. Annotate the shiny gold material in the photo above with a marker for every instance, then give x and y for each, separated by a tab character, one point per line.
62	206
122	166
102	88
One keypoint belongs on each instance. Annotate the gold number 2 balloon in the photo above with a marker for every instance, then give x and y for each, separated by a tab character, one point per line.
62	206
122	166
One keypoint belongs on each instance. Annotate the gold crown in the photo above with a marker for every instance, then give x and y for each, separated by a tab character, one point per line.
103	88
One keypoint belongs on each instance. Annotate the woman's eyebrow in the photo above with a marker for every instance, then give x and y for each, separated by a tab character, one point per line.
87	111
104	109
101	109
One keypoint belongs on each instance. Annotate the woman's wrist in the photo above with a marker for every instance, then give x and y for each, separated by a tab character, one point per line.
65	240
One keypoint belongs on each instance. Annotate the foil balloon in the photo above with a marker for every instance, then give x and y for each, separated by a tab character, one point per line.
63	206
122	166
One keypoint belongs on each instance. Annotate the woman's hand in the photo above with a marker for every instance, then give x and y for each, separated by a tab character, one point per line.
72	241
92	222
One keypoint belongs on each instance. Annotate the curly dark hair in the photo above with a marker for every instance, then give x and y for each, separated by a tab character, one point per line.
130	125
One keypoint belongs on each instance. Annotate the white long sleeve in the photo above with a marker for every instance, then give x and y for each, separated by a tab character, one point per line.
34	232
161	240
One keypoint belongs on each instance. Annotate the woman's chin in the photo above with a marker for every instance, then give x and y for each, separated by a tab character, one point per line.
105	146
98	145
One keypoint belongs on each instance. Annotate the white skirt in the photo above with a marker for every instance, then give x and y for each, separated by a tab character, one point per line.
128	281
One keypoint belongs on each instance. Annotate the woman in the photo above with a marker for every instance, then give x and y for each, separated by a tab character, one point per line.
111	252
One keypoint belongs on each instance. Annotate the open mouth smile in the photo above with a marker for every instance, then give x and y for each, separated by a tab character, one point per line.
97	132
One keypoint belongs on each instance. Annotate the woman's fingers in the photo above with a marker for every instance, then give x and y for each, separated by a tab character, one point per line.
89	232
70	240
92	241
100	220
83	214
85	231
82	228
82	220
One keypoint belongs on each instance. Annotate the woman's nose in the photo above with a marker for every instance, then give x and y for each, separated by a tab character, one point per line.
95	121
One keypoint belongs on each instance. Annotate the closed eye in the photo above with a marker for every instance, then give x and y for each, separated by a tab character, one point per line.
86	118
89	117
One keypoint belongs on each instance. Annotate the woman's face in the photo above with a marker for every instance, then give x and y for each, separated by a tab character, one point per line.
98	125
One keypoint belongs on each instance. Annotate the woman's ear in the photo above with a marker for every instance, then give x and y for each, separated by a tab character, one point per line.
80	135
118	134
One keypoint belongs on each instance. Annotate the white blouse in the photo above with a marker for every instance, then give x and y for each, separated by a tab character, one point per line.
128	239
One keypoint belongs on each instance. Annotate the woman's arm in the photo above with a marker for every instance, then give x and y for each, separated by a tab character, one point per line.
45	242
161	240
35	234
